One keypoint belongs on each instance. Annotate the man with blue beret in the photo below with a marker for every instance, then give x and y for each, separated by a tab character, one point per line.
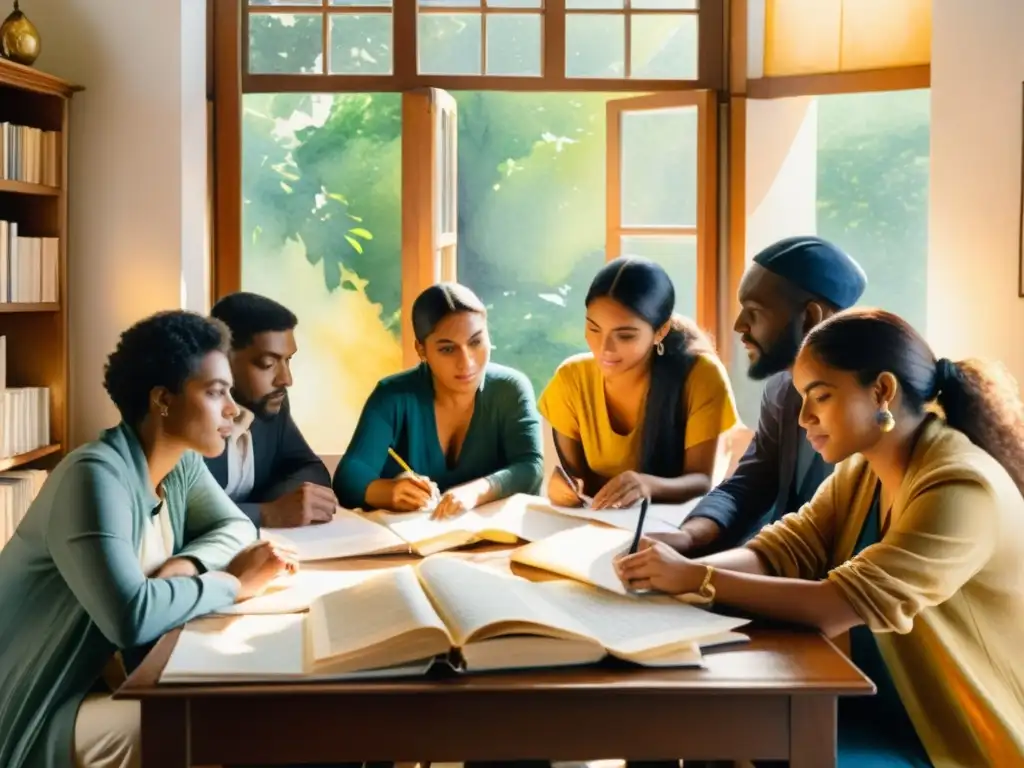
791	286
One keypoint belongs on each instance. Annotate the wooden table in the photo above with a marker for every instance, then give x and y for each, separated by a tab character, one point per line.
773	698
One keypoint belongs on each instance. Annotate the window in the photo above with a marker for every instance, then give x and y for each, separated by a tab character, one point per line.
517	144
322	229
381	45
852	168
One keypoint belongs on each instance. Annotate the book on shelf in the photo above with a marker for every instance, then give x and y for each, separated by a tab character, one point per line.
511	520
18	489
29	266
29	154
449	613
25	420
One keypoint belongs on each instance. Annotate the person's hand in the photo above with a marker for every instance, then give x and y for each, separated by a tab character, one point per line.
681	541
623	490
561	494
258	564
410	493
656	565
309	503
454	502
176	566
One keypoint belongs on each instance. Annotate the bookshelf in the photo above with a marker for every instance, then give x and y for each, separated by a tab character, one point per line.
34	195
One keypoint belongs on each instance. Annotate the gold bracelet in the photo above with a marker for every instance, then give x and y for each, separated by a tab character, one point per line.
707	589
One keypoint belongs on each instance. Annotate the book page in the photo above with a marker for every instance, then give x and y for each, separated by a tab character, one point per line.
349	534
296	592
237	648
514	517
379	609
586	554
628	625
473	599
626	519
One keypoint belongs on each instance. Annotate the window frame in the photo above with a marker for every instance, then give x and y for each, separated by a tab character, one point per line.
723	60
705	228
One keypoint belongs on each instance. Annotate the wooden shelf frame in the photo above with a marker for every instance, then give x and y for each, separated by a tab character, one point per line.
37	333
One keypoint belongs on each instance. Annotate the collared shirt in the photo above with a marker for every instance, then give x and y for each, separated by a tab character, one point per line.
241	460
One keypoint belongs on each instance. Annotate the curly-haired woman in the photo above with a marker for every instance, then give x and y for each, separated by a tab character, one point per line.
129	537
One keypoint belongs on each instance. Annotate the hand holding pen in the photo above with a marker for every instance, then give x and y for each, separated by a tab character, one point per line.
410	491
566	491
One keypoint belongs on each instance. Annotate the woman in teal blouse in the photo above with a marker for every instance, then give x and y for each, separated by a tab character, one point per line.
466	427
124	542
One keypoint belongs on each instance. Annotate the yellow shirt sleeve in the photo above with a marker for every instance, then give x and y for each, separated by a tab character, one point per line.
800	544
944	536
710	404
559	402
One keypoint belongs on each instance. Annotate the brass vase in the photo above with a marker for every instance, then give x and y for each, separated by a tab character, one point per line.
19	38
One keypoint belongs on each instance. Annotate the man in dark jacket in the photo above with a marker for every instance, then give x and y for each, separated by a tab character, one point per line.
791	286
268	469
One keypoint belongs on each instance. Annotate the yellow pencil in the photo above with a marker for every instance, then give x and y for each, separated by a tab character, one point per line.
400	461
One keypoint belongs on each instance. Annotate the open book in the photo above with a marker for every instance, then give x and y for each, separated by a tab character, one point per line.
586	554
506	521
475	618
349	534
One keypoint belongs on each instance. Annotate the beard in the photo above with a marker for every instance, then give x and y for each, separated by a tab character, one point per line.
260	408
780	354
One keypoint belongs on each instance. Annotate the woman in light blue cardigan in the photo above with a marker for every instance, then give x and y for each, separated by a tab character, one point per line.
129	537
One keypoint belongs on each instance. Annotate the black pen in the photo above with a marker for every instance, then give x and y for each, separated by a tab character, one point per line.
639	526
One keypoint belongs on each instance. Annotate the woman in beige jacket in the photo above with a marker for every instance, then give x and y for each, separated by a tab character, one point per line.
915	545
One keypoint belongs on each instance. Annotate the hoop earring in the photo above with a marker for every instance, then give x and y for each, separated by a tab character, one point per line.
660	347
885	419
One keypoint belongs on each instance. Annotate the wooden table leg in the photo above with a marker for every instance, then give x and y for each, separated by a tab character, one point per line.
812	731
165	733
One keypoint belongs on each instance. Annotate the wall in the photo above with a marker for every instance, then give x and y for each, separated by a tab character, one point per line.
138	172
977	69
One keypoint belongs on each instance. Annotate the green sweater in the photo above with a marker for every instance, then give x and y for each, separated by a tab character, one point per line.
503	442
72	590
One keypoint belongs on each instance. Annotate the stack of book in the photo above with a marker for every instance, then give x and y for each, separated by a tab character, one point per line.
17	491
24	414
28	266
29	154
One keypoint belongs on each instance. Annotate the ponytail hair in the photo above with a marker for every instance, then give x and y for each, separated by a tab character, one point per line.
980	399
645	289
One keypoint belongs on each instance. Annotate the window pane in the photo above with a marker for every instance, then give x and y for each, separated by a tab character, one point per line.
663	5
678	255
595	45
321	189
285	2
513	3
663	46
361	44
385	3
659	167
585	5
873	152
449	43
532	218
450	3
285	43
513	44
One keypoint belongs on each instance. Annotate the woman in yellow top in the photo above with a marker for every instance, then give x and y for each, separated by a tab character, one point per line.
915	545
641	415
